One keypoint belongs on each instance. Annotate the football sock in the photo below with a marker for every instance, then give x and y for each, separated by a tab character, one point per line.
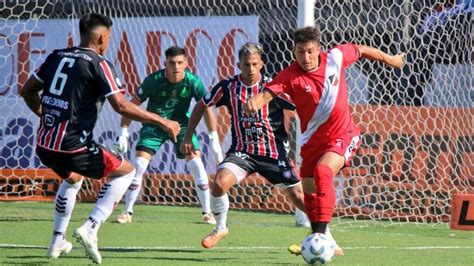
325	193
319	227
134	189
109	196
220	207
65	201
201	183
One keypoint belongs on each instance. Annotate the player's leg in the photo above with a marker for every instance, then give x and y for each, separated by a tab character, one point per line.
201	179
148	143
100	162
142	160
64	202
201	185
230	172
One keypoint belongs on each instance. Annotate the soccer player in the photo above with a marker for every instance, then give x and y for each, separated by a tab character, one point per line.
316	84
259	141
169	92
75	82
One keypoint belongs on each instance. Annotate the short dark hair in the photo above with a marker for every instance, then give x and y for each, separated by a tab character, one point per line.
174	51
307	34
89	22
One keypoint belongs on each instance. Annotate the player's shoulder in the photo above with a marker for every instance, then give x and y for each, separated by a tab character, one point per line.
157	76
224	83
191	77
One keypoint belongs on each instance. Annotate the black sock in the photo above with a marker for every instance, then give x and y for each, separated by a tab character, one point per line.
319	227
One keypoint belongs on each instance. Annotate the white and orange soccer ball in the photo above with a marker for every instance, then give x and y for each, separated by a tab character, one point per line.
317	248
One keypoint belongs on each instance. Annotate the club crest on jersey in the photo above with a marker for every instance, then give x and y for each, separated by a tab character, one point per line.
140	91
334	79
184	92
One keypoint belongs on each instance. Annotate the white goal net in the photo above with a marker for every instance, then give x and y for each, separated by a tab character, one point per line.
417	124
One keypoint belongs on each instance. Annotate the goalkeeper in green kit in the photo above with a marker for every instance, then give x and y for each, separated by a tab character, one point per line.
169	92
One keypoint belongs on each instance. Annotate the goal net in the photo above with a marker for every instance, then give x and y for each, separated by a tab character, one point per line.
417	124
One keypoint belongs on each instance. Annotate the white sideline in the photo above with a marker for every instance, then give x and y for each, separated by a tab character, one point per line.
235	248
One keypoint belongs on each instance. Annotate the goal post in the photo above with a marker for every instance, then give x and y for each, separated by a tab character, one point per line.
417	124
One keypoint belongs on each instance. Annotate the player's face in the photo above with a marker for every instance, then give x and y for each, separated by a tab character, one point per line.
250	66
175	66
307	54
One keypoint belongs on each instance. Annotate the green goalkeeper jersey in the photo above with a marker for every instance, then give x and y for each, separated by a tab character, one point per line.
171	100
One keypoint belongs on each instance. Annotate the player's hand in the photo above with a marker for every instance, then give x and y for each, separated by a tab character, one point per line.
121	143
250	106
187	146
398	60
216	146
172	128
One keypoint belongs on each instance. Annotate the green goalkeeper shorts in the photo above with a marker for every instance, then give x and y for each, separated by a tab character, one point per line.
151	138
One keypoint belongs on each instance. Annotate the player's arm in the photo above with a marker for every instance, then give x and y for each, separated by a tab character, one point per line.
134	112
30	93
258	101
187	146
373	53
121	142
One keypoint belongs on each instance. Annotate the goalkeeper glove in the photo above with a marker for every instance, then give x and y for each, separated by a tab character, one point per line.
121	143
216	146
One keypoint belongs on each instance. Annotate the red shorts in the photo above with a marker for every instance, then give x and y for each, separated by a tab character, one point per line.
346	146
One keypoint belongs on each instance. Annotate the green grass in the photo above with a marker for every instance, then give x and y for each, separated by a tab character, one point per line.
163	235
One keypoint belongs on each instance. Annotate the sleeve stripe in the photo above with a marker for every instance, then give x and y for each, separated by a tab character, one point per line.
109	76
35	74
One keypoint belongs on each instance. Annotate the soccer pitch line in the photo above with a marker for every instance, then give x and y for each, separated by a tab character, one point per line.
236	248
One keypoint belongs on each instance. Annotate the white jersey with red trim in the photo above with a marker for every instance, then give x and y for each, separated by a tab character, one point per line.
320	96
75	83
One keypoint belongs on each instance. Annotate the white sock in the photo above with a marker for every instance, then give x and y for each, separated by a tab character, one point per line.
301	218
220	207
109	196
134	189
201	183
65	201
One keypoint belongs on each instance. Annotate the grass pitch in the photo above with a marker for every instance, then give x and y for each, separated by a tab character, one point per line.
164	235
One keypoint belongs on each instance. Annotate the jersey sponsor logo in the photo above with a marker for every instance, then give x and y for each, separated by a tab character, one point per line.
184	92
308	88
49	120
55	102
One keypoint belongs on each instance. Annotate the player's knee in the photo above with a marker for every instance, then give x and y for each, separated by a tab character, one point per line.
222	182
323	175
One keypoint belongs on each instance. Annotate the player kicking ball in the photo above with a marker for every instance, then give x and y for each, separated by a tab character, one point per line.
169	93
259	141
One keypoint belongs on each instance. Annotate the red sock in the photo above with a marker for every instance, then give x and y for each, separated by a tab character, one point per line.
326	194
310	206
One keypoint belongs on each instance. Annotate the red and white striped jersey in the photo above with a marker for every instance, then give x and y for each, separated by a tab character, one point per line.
75	83
321	95
261	133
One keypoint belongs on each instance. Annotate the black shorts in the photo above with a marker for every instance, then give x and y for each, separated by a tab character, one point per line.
281	171
96	161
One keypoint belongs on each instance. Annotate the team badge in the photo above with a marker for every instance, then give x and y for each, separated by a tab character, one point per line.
140	91
184	92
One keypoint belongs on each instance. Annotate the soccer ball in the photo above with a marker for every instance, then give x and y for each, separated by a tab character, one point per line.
317	248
